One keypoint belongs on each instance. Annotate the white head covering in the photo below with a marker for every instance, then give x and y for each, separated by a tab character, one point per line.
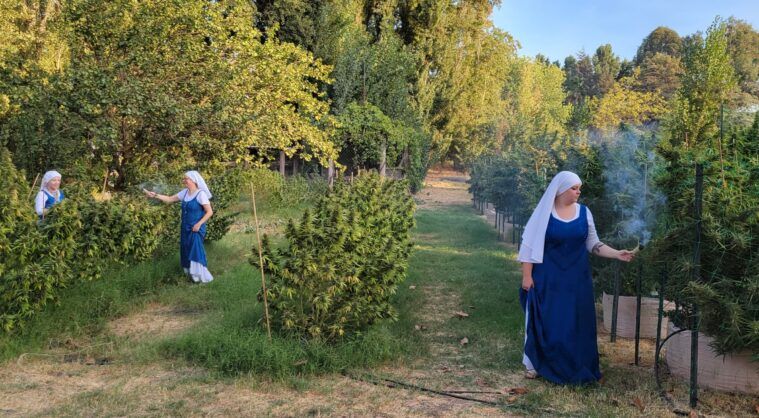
198	179
47	177
534	236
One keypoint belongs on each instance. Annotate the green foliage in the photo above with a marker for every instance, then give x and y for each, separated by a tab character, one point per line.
727	287
77	240
342	262
151	84
284	192
661	40
121	230
33	261
227	187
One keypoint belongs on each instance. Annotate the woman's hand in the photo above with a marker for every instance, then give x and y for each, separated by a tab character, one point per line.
149	193
527	282
196	227
625	255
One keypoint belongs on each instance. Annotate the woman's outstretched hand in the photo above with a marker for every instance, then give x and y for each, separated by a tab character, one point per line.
148	193
625	255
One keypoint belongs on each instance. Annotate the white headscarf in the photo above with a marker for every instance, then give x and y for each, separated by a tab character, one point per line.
198	179
47	177
534	236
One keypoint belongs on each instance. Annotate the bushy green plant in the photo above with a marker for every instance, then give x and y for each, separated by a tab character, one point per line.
33	260
342	262
123	229
723	284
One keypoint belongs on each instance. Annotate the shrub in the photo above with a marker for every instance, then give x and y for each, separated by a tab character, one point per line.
342	262
33	261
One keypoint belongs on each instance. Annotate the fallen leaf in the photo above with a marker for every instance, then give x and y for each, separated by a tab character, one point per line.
445	369
300	362
461	314
464	341
412	287
511	399
639	404
89	360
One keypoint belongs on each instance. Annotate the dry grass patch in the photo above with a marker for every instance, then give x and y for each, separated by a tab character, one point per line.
153	321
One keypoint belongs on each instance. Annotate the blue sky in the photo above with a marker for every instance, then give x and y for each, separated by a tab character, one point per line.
561	27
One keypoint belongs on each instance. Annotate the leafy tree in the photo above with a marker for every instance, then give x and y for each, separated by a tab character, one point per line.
660	73
624	104
743	47
725	290
606	66
535	101
661	40
155	84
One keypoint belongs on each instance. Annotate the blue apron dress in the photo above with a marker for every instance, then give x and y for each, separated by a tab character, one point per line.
191	243
561	319
50	199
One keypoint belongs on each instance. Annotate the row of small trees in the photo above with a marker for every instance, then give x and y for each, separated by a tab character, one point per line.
727	288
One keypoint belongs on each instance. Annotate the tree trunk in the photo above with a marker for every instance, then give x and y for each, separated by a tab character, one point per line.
282	163
383	159
331	173
295	166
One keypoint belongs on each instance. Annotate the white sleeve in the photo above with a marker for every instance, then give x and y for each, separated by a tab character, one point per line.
203	198
592	239
182	193
39	203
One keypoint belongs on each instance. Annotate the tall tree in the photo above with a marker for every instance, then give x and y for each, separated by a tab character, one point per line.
606	66
661	40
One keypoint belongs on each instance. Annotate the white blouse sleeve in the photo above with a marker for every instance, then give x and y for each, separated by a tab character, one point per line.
39	203
592	239
203	198
182	193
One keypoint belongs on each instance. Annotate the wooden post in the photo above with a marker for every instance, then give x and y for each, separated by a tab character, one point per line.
282	163
31	191
295	166
261	261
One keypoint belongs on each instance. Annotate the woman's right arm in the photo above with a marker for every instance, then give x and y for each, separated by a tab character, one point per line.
527	282
161	197
39	204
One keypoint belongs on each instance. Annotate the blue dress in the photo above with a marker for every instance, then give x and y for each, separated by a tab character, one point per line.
561	319
50	199
191	243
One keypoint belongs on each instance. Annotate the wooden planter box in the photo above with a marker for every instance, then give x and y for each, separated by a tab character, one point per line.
732	373
649	308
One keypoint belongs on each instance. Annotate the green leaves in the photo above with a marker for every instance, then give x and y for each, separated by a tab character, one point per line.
342	262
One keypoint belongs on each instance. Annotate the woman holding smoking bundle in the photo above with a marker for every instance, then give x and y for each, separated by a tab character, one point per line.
557	290
196	210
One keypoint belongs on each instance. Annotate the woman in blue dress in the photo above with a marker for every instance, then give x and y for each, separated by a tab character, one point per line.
557	289
49	194
196	210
